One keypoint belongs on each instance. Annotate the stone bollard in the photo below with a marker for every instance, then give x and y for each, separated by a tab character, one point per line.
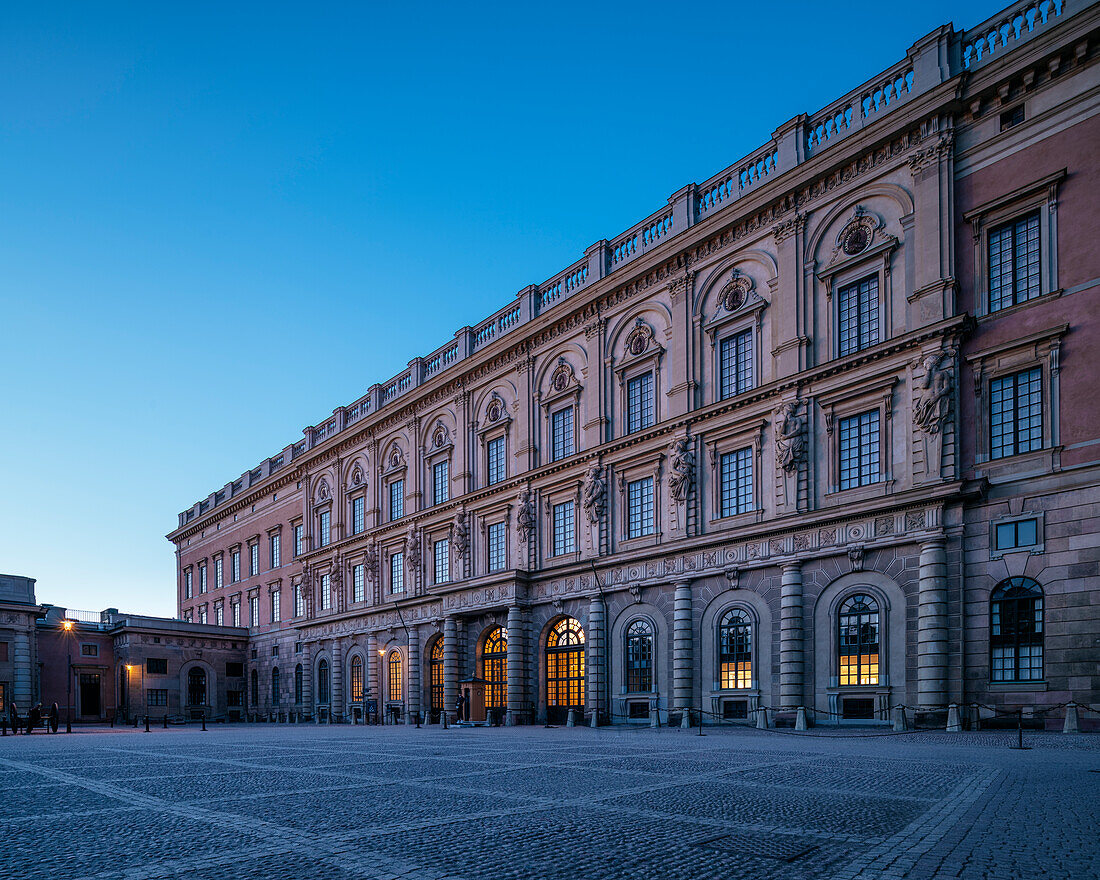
800	719
654	717
953	723
444	714
685	720
570	720
761	719
595	722
1072	724
900	721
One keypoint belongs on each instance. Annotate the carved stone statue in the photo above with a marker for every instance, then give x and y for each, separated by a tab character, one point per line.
594	494
681	468
412	549
371	561
933	403
460	535
525	517
790	436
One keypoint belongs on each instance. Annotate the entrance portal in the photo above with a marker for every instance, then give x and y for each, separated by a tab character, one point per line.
90	703
564	671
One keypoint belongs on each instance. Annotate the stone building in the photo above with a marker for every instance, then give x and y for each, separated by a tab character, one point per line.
815	433
18	646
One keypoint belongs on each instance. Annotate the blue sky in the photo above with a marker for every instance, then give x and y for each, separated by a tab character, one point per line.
218	222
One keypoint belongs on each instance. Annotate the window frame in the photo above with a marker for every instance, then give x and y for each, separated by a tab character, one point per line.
651	667
997	618
1039	546
841	403
502	524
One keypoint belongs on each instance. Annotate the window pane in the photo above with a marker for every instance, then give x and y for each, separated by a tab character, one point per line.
358	581
397	499
1014	262
1016	413
561	430
564	532
397	573
859	450
858	315
639	403
736	488
736	364
441	482
640	508
495	455
442	561
496	546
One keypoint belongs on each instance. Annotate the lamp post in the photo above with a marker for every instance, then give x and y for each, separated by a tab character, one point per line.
67	628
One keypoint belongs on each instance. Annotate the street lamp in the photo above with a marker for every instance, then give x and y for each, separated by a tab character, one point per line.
67	628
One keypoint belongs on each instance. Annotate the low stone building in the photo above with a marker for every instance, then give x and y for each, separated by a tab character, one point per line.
18	645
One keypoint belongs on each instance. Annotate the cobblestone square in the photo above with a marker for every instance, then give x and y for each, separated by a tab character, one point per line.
394	802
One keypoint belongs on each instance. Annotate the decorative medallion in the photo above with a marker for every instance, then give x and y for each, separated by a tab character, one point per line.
495	411
563	374
640	337
395	457
736	293
439	437
357	476
856	239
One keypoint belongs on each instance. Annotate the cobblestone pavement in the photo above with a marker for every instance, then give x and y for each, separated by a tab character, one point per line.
271	802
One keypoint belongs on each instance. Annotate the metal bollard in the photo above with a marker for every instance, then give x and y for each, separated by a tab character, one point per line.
204	721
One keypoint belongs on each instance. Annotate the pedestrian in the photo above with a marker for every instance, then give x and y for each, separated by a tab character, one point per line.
458	707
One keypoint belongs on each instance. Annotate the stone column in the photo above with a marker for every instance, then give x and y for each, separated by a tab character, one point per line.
450	665
307	679
517	664
337	679
932	625
23	691
414	676
596	655
791	654
682	667
372	670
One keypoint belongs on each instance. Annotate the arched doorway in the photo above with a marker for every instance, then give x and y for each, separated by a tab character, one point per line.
564	670
435	678
494	669
196	687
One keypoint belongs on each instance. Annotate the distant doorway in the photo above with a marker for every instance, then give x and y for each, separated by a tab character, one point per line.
90	702
196	686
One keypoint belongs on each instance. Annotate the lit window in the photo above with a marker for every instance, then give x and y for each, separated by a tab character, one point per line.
276	551
1016	630
496	546
736	482
442	555
357	679
325	521
435	675
561	434
565	682
859	450
564	531
396	690
858	304
397	573
1014	535
326	593
441	481
1016	413
1014	262
358	583
358	521
494	668
639	403
494	453
639	505
735	650
639	657
735	356
858	641
397	499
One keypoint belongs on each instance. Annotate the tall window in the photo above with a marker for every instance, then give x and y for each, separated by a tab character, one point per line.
253	560
441	481
202	577
735	358
253	610
299	532
235	565
442	554
299	601
858	304
219	580
435	674
736	482
299	677
325	528
1016	630
236	606
202	613
397	573
187	584
494	454
358	521
639	657
639	403
323	683
255	689
735	650
397	499
275	686
858	641
1014	262
639	508
494	668
219	614
561	434
565	681
1016	413
565	540
396	691
276	550
276	612
358	583
497	559
357	679
326	592
859	450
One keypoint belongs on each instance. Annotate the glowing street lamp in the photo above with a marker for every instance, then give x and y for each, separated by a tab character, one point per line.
67	628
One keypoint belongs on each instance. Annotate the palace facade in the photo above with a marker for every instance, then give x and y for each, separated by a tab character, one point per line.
817	433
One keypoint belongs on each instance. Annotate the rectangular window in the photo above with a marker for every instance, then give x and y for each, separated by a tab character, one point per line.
325	531
735	355
358	583
188	615
156	696
397	499
89	650
1022	533
187	584
276	551
639	507
202	614
494	453
859	450
561	434
156	665
1014	262
326	592
219	615
234	670
299	601
358	522
497	559
639	403
564	532
858	309
397	573
253	610
202	578
442	561
441	481
253	560
1016	413
219	580
235	565
236	614
276	610
298	535
736	482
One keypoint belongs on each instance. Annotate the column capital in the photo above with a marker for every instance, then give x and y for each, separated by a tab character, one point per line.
795	566
683	583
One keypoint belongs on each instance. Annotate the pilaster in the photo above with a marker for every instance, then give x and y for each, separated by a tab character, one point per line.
791	651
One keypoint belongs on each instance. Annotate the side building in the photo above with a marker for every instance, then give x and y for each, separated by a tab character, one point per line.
816	433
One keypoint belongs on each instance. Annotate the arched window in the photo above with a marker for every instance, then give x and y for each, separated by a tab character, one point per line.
1016	630
357	679
435	668
564	669
735	650
255	688
396	689
494	668
639	657
275	686
196	686
322	682
858	642
298	678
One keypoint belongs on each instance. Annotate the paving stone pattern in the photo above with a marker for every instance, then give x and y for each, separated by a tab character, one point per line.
271	802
